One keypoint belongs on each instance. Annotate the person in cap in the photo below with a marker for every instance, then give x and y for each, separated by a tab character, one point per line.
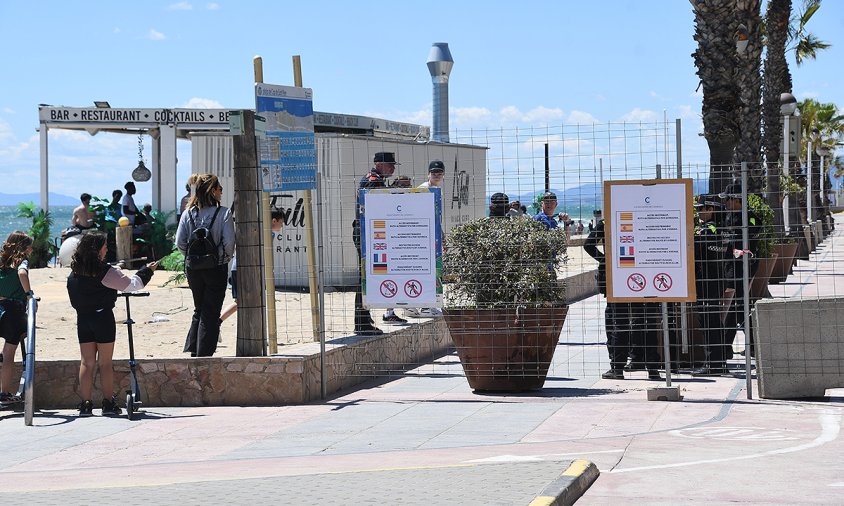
515	210
498	205
384	167
631	327
546	213
713	259
436	174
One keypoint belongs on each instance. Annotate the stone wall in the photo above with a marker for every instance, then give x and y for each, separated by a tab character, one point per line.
291	377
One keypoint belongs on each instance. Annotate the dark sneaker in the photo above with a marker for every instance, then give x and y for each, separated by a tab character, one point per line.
653	374
368	330
613	374
393	318
86	408
110	407
6	398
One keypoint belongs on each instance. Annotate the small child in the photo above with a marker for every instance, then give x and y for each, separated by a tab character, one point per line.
14	291
92	287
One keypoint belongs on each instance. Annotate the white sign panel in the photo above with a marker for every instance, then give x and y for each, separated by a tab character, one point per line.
401	247
648	235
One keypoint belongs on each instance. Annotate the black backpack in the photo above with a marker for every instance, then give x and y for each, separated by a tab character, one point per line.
202	253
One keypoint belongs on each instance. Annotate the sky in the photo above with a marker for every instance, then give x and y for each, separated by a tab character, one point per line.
528	63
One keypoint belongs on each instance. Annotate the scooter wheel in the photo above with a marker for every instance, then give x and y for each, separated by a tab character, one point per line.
130	406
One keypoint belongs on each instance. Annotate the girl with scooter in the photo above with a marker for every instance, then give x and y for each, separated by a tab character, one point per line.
14	291
92	287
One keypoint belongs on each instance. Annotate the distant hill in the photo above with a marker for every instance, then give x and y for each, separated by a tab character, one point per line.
56	199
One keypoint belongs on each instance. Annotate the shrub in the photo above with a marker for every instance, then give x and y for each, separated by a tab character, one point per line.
497	263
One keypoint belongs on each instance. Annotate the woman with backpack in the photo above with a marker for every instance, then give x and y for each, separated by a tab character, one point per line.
206	237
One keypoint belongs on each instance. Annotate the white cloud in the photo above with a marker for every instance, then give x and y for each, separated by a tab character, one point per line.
686	112
582	118
155	35
213	6
116	30
809	94
202	103
8	110
640	115
465	116
180	6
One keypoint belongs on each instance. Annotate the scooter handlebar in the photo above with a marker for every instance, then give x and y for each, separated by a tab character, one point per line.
133	294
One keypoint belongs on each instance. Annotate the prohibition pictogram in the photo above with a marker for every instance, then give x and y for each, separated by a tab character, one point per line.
636	282
662	282
413	288
389	288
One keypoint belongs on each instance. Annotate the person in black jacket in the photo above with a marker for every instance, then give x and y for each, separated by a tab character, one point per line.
92	287
713	261
631	327
385	166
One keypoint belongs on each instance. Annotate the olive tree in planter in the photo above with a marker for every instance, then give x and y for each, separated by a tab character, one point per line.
504	306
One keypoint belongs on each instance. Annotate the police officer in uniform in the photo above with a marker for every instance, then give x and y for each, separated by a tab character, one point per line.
713	264
385	165
631	327
732	230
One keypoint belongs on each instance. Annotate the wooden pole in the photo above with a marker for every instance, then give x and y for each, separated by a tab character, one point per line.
269	275
309	228
250	303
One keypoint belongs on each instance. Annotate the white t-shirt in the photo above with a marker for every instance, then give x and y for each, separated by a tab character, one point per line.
129	202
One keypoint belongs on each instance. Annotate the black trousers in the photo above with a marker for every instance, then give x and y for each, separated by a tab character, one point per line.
209	290
717	348
362	316
633	326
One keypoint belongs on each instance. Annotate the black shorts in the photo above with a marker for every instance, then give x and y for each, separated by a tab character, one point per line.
96	327
13	321
233	281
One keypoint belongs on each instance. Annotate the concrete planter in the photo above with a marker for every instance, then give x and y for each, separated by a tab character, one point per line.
502	351
785	259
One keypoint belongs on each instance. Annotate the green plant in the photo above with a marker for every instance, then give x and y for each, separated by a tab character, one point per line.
43	248
160	235
105	221
766	235
174	262
789	186
498	263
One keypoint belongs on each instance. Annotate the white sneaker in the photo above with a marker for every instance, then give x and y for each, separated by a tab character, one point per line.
424	312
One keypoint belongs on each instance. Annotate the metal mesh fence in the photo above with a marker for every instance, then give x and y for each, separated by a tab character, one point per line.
741	262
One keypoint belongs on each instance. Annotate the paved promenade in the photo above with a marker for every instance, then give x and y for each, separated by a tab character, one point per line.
425	438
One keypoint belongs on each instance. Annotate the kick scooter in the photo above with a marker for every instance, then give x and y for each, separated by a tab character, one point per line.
133	395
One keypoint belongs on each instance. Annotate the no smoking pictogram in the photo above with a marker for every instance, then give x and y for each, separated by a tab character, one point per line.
413	288
636	282
389	288
663	282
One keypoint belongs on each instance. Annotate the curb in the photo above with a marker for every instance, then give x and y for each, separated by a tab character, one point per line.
568	488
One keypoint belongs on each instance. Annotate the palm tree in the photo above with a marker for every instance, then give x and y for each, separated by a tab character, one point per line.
749	78
783	34
829	123
715	58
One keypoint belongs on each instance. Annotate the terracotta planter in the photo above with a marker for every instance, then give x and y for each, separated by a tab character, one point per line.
785	259
504	352
759	283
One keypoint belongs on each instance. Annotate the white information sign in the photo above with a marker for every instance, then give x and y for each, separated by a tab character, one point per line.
401	248
648	238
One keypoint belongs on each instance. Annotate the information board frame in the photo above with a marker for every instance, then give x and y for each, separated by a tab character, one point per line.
661	212
385	212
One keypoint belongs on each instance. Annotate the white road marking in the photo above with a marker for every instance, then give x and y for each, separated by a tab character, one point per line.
538	458
830	427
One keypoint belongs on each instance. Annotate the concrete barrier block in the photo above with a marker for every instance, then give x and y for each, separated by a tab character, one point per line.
801	356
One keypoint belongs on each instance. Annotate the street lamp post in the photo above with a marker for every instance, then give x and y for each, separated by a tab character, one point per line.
814	136
788	105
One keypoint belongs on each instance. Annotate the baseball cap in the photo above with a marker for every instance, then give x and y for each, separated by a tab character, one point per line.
385	157
549	196
596	212
732	191
499	198
436	166
708	200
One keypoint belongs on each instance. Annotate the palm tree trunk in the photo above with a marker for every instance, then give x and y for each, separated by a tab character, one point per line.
715	59
777	80
749	78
